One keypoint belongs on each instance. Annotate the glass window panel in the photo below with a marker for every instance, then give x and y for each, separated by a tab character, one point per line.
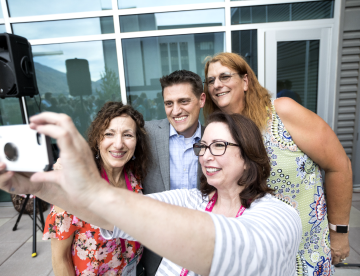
312	10
10	112
53	74
43	7
282	12
122	4
64	28
146	60
257	14
4	196
276	13
172	20
297	71
245	43
2	29
1	12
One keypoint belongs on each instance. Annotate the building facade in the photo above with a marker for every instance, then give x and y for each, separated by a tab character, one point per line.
307	50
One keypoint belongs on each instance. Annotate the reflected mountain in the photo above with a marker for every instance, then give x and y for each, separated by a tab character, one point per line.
54	81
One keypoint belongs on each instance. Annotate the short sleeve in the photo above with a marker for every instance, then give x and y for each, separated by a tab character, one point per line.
60	225
263	241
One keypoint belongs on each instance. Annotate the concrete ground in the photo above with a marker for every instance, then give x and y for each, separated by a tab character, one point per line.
16	246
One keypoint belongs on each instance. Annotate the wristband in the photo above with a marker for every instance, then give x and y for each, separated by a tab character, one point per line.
339	228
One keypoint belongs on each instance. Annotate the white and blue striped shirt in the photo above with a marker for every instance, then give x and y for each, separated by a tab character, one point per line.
264	240
183	161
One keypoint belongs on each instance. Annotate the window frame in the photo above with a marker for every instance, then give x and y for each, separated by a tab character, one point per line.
332	23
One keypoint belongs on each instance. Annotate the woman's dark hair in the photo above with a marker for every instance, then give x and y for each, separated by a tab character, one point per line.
109	111
247	135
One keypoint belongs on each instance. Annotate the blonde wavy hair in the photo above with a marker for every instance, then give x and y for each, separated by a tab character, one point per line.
257	98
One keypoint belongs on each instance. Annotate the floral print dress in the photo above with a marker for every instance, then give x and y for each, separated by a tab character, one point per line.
297	181
91	253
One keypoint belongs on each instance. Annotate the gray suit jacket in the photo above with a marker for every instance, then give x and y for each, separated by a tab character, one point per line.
158	177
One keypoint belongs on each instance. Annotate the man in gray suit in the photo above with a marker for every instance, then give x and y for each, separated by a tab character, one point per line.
174	164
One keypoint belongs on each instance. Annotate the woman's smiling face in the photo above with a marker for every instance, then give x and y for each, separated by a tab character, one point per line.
229	96
119	142
224	170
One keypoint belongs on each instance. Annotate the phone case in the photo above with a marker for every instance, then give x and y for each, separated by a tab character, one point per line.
24	149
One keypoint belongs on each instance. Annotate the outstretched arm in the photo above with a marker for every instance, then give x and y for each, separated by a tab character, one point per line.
193	239
315	138
184	236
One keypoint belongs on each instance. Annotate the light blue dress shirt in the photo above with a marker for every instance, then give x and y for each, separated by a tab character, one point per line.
183	161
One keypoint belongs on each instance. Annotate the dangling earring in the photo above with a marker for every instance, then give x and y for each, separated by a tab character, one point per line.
133	158
97	156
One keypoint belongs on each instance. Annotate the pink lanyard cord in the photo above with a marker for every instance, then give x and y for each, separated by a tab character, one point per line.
209	208
211	204
128	184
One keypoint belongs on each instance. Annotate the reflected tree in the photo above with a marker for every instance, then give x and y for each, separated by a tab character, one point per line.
109	86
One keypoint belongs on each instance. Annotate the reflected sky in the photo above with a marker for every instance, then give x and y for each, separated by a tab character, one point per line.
54	56
64	28
172	20
126	4
43	7
2	28
1	12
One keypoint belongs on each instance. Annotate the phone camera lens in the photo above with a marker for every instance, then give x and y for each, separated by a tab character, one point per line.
11	152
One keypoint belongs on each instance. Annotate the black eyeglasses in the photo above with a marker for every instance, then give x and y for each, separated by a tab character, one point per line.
216	148
224	78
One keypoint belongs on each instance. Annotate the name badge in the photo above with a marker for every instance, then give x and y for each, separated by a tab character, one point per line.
130	268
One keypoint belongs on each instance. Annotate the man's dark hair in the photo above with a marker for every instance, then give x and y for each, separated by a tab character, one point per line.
183	76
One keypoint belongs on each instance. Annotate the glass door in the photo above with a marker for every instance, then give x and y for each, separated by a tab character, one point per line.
297	66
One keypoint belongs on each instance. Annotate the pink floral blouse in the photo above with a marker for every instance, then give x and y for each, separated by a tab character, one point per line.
91	253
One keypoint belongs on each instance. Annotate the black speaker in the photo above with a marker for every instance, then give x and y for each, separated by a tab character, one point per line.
78	77
17	72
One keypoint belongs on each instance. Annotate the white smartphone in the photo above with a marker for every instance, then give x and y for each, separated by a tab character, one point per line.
23	149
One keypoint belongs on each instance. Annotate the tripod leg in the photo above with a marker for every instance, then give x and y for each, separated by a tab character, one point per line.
21	212
34	230
39	203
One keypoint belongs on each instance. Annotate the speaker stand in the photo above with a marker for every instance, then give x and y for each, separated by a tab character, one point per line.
25	118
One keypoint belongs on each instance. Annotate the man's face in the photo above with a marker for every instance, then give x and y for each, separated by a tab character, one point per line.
182	108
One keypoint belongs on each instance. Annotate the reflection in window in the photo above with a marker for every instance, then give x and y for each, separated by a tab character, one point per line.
244	43
125	4
10	112
97	79
148	59
4	196
297	71
2	29
172	20
65	28
283	12
1	12
43	7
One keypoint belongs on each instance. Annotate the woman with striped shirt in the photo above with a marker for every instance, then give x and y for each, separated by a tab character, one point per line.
233	185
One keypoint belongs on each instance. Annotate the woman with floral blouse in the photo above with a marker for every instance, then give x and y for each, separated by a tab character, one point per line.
116	138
